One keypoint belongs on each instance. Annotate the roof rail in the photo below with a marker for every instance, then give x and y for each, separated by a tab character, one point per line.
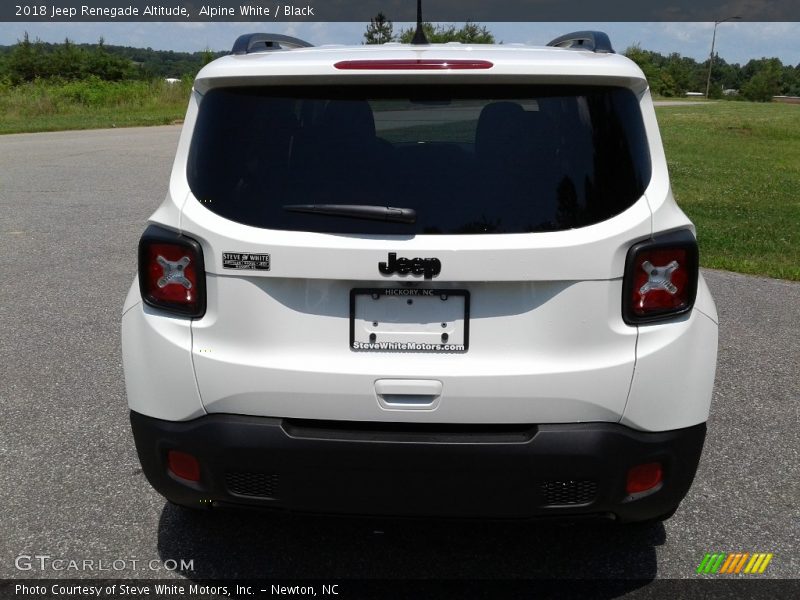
596	41
263	42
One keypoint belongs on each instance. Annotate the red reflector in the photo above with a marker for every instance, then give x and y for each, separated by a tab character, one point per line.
644	477
171	274
661	281
412	64
183	465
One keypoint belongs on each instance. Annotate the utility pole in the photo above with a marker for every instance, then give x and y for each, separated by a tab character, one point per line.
711	57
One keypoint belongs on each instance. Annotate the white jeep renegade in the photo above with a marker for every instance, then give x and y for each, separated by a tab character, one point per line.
421	280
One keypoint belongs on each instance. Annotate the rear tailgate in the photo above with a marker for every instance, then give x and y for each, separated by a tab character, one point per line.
550	348
532	294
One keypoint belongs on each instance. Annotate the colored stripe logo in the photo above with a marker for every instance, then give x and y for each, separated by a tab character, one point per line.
733	563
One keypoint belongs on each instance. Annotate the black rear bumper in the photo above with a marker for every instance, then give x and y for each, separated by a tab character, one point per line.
503	471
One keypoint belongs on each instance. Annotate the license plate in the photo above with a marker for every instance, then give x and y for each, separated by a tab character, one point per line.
409	320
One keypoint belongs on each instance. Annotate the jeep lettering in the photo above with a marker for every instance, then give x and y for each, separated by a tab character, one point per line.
429	267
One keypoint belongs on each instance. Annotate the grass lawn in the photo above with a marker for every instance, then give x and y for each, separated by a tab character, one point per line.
103	118
49	106
735	170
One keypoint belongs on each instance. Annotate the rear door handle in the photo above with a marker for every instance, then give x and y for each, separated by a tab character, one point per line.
408	394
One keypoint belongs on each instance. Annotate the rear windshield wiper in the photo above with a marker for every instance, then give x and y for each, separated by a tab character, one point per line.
358	211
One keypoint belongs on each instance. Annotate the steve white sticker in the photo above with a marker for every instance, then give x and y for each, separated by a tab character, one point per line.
239	260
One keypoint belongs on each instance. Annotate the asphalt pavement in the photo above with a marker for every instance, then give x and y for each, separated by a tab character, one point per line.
72	206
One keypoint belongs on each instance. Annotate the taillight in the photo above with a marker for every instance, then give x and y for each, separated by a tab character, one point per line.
172	275
660	278
412	64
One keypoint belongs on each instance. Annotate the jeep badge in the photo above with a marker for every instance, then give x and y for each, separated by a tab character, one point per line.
429	267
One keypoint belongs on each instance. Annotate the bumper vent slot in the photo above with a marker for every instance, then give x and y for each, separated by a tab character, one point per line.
561	493
256	485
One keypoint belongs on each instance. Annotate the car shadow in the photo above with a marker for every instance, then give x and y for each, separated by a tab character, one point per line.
264	545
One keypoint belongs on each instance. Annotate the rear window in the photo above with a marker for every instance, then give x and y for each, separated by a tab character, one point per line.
467	159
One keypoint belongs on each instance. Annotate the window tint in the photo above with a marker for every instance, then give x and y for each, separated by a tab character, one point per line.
467	159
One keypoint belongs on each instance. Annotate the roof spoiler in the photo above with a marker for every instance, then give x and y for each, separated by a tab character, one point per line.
265	42
595	41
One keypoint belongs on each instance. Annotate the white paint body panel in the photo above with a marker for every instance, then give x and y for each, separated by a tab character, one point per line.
156	358
547	341
675	364
289	356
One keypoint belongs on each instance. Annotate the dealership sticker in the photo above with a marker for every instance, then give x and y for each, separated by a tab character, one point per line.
245	260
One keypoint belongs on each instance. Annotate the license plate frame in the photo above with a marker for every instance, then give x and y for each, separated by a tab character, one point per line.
402	295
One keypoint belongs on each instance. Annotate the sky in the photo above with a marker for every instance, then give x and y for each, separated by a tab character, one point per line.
737	42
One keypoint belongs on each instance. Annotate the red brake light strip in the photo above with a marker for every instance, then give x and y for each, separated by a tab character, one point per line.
412	64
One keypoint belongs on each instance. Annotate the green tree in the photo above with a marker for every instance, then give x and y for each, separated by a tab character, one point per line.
648	62
667	85
110	67
27	61
406	35
681	71
379	31
470	33
790	81
67	62
797	79
727	76
206	56
765	82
